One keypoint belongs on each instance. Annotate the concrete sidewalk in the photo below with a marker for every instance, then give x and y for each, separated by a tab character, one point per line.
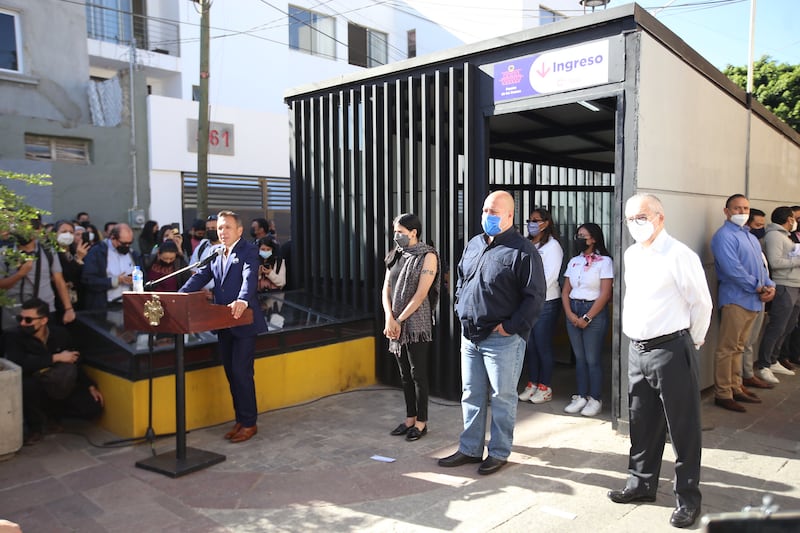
310	468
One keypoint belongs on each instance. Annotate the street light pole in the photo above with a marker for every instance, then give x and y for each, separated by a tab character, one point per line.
749	96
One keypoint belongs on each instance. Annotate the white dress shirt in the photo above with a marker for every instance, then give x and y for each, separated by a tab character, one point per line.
665	291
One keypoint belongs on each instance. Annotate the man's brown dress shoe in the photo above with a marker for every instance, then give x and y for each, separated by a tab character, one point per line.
730	404
746	396
786	363
245	433
236	427
757	382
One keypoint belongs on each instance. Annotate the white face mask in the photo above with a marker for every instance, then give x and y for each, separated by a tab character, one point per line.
794	226
65	239
641	232
740	220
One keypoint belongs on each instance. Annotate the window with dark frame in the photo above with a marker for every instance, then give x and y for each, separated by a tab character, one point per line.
9	41
366	47
412	43
312	32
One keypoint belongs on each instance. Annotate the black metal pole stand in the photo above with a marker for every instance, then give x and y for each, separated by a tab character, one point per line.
184	460
150	434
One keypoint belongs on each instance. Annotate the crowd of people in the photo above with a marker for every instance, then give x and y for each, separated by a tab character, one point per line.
70	266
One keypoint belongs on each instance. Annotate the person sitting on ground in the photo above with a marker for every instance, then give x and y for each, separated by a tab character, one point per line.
53	384
272	272
167	261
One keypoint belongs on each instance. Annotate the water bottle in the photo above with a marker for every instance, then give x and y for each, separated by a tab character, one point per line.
138	279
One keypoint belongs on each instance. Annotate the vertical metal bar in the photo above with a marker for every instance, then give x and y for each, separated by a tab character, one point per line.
356	233
336	219
411	176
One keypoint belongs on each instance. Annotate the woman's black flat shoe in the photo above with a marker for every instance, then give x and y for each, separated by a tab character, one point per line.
416	434
402	429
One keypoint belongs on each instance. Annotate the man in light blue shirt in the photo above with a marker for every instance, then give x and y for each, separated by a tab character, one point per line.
744	284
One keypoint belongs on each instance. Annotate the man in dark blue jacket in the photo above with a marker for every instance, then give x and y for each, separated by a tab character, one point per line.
235	274
499	294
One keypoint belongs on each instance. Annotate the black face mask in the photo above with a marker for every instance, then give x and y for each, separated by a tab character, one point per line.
164	263
123	249
27	330
759	233
252	233
580	245
211	235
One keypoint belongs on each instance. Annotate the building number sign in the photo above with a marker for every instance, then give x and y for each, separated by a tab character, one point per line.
220	137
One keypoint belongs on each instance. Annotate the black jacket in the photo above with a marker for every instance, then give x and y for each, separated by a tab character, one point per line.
499	283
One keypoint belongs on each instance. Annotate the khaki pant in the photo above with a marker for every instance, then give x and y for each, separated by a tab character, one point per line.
734	332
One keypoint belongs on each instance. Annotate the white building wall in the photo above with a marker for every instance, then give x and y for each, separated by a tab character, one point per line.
251	66
260	142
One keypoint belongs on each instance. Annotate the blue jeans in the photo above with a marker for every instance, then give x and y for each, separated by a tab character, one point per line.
587	344
490	367
539	351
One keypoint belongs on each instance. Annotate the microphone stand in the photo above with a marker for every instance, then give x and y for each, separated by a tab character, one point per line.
150	434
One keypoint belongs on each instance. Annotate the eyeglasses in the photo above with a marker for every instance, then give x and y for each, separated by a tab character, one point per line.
125	243
27	319
640	220
579	236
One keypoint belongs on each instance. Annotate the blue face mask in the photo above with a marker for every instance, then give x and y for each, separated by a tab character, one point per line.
265	254
533	229
491	224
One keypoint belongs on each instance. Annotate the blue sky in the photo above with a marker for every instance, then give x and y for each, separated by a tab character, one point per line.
719	29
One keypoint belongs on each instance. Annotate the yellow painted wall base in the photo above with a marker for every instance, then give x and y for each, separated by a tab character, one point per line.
281	380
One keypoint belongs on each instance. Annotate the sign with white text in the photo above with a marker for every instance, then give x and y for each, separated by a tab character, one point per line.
558	70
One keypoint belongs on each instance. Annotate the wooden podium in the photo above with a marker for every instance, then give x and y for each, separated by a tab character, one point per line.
178	313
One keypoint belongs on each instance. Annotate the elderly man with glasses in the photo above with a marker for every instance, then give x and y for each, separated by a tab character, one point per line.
666	312
107	268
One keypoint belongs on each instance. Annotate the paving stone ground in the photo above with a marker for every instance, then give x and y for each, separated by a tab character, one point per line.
310	468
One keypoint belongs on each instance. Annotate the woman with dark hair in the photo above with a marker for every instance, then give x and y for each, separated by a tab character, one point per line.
91	235
539	350
409	296
70	253
272	272
167	260
587	289
147	238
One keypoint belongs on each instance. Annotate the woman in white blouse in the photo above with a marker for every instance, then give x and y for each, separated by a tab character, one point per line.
539	350
587	289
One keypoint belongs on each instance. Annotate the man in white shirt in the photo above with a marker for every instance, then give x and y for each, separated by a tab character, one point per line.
666	312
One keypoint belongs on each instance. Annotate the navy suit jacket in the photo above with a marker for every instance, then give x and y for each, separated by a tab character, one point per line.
239	282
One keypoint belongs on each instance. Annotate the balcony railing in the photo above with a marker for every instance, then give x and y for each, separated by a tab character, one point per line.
124	27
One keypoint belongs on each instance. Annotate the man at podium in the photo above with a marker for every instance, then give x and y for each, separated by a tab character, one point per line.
234	270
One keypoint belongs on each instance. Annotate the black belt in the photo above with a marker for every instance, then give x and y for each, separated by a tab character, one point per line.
649	344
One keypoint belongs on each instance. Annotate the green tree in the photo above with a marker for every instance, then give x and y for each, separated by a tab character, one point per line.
776	85
17	217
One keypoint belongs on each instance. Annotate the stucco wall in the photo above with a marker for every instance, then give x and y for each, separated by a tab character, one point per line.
692	143
261	144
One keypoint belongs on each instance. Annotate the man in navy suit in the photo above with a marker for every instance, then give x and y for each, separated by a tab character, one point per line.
235	273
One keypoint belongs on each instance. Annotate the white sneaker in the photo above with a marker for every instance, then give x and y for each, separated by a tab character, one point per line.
767	375
592	408
528	392
543	394
777	368
576	405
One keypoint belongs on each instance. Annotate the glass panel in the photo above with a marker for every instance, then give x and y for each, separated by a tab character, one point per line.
325	36
8	42
37	148
72	151
378	48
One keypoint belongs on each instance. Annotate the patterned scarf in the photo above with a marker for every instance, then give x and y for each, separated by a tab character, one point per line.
417	327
